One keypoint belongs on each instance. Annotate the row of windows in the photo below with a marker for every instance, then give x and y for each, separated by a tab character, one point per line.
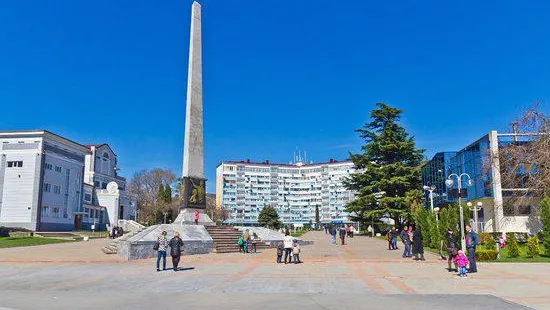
48	188
51	167
54	212
15	164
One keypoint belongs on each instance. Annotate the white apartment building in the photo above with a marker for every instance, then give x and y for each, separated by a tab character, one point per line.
50	183
295	190
105	197
41	178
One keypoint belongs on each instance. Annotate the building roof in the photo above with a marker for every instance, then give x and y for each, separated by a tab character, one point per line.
43	132
96	146
268	163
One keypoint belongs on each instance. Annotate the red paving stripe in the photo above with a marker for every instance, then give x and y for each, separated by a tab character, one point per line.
398	283
371	281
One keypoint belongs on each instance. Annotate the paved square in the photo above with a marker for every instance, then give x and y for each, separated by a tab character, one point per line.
360	275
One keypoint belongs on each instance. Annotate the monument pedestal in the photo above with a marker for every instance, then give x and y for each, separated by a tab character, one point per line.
187	217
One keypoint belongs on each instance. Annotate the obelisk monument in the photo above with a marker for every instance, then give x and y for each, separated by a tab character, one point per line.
193	181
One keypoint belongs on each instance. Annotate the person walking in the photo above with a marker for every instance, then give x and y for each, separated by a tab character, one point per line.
246	240
332	231
351	230
417	244
176	247
326	229
471	243
196	217
394	234
406	242
388	237
343	234
288	244
162	246
451	250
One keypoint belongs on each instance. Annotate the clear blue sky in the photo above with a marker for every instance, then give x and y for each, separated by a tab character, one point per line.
277	74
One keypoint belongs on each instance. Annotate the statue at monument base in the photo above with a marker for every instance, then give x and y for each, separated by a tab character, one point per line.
193	208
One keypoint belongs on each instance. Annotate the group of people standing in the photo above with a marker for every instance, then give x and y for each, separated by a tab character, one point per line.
343	231
459	258
245	240
176	249
290	248
116	232
411	239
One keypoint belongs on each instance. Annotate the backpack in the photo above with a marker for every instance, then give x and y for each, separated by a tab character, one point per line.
156	246
240	242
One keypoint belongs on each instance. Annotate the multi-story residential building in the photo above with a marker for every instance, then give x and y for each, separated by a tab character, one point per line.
50	183
105	197
501	210
295	190
41	178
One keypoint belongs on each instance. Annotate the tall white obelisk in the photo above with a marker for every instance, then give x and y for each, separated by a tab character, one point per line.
193	181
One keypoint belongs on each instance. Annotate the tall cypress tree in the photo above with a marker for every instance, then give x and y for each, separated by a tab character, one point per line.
167	193
160	193
388	181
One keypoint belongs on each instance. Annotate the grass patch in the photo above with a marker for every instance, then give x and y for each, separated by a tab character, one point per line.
298	233
12	242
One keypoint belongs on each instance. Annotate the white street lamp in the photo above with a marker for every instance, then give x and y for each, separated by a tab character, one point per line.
477	207
449	182
431	190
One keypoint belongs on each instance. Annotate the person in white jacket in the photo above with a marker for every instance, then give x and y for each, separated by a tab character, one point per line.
287	242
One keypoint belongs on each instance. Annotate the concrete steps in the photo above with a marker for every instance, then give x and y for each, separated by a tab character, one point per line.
58	235
112	247
226	238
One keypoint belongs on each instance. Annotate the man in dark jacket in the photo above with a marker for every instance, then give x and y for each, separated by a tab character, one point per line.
176	247
451	249
406	242
342	234
471	243
417	244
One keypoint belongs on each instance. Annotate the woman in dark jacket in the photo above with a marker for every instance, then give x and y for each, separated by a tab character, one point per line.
417	244
451	249
176	247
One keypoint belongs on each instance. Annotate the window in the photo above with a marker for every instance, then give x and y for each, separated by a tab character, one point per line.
87	197
524	210
49	166
55	212
57	189
58	169
508	210
96	184
45	212
103	185
15	164
47	187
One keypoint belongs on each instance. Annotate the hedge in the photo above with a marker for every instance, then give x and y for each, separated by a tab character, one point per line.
486	255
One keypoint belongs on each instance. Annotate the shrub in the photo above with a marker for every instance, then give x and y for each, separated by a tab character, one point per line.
512	245
486	255
533	249
485	238
490	246
545	220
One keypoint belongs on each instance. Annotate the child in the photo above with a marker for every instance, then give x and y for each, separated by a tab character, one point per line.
462	261
280	250
296	252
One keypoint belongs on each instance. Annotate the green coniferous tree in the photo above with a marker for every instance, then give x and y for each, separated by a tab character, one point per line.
167	193
160	194
389	163
269	217
545	220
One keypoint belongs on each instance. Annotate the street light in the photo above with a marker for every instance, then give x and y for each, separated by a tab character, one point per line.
449	182
430	189
436	210
478	206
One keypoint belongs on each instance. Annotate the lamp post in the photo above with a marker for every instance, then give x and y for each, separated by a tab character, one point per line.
475	208
436	210
449	182
431	190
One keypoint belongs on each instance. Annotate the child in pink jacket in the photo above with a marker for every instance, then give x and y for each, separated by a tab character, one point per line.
462	261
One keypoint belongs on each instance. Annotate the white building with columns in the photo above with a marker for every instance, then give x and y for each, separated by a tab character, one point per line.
105	197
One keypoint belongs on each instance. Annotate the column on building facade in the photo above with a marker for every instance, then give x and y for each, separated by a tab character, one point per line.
498	213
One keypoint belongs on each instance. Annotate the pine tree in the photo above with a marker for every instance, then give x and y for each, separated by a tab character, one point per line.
269	217
389	163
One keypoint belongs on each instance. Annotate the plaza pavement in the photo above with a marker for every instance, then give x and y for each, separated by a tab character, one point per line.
360	275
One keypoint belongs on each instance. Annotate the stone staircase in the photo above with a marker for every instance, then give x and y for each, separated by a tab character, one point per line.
112	246
58	235
226	238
